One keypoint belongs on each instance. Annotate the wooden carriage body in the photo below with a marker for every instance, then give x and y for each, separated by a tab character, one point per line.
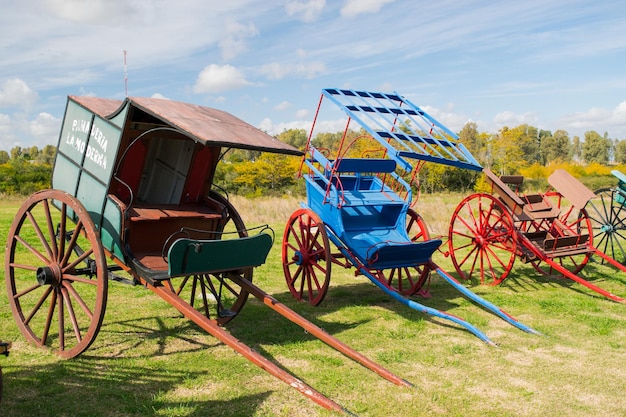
143	169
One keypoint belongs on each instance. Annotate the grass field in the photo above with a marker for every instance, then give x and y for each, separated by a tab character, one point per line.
148	360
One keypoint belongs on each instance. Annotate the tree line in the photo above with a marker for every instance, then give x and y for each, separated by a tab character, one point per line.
523	149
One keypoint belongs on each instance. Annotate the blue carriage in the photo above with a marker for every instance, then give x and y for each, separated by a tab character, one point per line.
360	198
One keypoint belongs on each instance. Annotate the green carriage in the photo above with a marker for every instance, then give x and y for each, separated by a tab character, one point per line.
133	199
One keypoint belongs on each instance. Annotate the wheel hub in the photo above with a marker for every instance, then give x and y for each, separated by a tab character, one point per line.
608	228
49	275
299	258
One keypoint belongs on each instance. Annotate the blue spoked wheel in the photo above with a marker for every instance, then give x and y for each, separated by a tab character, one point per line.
608	219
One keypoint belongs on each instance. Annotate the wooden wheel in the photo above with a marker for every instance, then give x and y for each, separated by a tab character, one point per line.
607	213
577	220
219	298
482	239
408	280
306	257
56	273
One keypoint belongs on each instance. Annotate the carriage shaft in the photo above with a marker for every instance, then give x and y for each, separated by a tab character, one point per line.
167	294
318	332
568	274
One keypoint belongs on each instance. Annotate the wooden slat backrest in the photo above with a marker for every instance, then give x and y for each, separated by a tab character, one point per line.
508	196
570	188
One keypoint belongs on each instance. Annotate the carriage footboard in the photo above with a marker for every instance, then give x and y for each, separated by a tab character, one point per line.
192	256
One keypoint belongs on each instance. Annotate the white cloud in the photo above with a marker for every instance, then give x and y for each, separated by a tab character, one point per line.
274	129
283	105
16	93
356	7
277	71
612	121
46	128
235	41
511	119
217	78
448	118
5	124
92	11
302	113
307	11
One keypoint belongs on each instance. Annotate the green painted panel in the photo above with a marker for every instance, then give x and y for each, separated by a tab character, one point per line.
110	232
66	174
92	194
75	132
101	149
120	118
188	256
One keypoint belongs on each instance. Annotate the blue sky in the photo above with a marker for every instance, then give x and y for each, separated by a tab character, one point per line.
552	64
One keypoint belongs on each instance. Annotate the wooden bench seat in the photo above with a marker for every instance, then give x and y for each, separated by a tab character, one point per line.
150	226
524	207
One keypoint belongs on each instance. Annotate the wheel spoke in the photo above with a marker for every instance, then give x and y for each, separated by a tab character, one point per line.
72	244
69	288
40	235
32	250
51	231
38	305
71	313
221	298
51	308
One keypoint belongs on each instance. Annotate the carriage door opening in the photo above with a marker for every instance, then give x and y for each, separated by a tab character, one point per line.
164	176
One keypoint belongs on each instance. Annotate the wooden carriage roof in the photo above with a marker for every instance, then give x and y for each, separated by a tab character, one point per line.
206	125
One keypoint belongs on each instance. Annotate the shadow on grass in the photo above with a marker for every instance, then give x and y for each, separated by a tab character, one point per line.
339	297
87	386
526	279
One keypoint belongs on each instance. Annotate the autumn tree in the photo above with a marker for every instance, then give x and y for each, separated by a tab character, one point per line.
596	148
504	154
620	151
294	137
555	147
474	141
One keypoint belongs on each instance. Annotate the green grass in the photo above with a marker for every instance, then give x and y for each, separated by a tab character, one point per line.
148	360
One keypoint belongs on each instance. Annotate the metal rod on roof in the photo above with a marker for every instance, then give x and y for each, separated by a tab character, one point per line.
125	76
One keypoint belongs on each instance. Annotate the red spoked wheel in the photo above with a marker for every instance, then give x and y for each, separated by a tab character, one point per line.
573	219
408	280
219	298
607	213
482	239
306	257
56	273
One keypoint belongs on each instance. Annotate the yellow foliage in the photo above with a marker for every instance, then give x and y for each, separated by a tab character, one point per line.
481	185
535	171
595	169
